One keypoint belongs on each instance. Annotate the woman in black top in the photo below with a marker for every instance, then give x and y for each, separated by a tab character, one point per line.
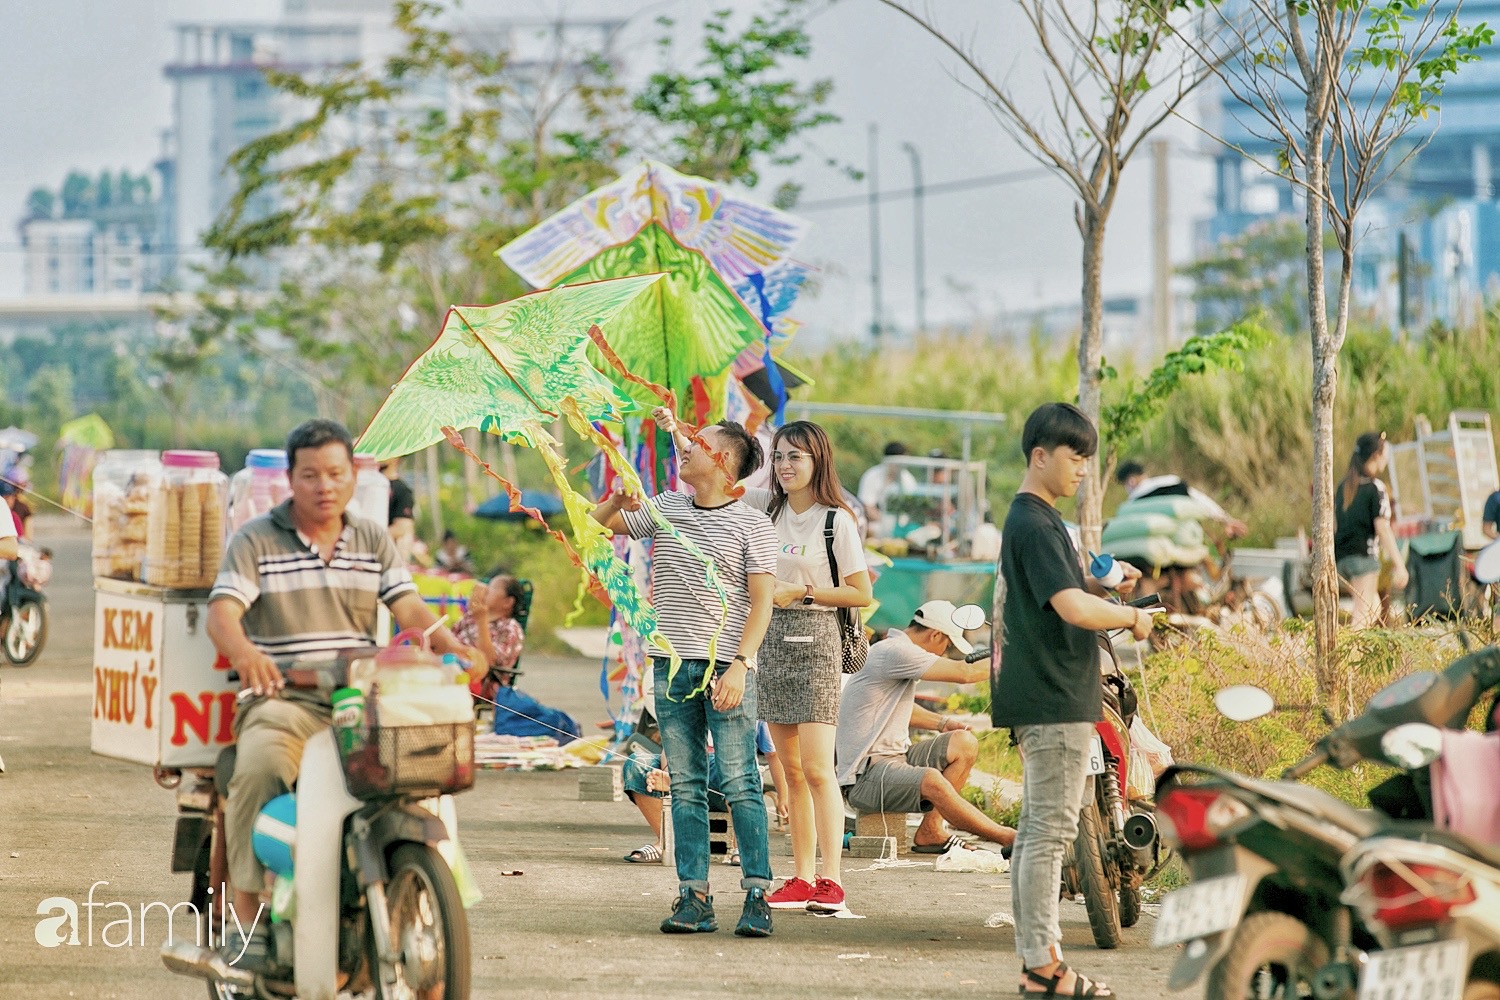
1362	514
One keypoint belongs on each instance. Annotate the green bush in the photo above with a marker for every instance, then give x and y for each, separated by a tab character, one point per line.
1178	685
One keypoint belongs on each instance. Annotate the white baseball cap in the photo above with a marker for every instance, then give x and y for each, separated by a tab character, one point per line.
939	615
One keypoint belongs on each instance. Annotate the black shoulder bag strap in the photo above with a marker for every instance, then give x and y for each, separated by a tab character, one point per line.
833	563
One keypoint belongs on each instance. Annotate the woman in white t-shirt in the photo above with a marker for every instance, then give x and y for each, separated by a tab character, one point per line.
798	669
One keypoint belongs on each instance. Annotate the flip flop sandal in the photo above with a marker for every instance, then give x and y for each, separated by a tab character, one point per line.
942	848
650	854
1083	986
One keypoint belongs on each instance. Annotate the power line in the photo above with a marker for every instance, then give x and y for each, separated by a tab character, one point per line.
944	187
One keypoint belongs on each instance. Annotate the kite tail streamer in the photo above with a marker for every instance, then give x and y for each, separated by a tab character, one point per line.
669	400
457	441
632	483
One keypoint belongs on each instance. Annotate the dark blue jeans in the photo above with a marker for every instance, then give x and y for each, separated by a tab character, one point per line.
685	724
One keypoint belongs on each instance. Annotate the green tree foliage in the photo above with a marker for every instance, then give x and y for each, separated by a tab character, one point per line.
1121	422
49	398
41	204
77	194
392	204
1260	271
733	107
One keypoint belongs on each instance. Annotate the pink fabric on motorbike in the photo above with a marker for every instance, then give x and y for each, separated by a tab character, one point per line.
1459	802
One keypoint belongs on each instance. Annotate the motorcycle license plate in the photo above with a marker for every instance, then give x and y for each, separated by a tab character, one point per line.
1199	909
1096	755
1435	971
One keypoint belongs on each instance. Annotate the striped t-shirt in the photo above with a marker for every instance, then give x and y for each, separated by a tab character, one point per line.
294	603
737	538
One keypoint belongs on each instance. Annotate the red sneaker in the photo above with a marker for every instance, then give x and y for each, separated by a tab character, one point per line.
827	896
793	895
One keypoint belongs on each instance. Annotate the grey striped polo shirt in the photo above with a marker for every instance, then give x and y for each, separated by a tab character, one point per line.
294	603
738	539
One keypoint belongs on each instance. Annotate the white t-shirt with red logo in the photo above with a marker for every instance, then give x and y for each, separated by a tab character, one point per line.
802	553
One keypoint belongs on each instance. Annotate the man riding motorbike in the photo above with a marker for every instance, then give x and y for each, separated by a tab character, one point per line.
303	579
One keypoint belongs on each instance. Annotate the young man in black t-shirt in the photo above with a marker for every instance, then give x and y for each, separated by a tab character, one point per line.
1047	689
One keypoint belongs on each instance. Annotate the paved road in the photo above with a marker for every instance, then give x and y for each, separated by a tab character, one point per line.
577	923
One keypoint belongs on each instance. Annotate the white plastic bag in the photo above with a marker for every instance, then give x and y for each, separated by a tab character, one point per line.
1149	757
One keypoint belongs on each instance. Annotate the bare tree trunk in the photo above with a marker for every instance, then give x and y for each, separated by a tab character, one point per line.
1090	356
1325	383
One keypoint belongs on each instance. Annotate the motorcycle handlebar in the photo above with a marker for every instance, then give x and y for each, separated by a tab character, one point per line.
982	653
1306	765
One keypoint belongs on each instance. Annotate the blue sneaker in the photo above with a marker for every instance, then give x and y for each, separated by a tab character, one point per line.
691	914
755	919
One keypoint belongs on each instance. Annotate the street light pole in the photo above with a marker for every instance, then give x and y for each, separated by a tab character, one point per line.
876	309
919	239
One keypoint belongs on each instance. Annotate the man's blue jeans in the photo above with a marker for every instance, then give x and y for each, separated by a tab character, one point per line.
685	724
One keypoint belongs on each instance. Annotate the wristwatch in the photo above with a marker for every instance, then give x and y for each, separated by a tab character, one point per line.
741	658
808	597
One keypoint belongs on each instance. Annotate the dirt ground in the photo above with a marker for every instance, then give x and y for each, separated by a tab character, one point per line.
576	921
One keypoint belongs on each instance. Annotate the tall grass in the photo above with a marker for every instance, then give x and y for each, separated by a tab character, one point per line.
1177	687
1243	436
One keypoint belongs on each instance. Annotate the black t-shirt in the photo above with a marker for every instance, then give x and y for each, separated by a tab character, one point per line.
403	501
1049	670
1354	534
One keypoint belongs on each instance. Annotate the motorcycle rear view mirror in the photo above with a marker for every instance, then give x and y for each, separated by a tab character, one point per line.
1244	702
969	617
1413	745
1487	564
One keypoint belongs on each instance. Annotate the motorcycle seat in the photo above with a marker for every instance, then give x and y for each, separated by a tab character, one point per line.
1468	847
1318	803
224	769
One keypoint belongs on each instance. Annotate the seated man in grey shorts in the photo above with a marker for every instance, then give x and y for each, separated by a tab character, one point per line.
877	765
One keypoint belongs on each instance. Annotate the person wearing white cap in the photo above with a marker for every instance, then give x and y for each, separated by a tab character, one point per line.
878	767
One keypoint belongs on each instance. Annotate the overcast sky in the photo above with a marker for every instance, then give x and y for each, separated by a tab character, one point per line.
83	88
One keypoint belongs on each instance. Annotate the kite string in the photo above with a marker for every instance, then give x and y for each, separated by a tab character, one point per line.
45	499
457	441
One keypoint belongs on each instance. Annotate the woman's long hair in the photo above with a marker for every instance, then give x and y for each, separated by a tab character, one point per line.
826	488
1366	446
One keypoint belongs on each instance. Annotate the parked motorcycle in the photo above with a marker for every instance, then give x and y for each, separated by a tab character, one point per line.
1263	915
1432	894
373	906
1116	848
23	606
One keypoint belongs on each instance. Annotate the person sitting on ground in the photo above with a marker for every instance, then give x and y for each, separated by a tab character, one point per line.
453	557
490	626
1138	486
878	766
646	780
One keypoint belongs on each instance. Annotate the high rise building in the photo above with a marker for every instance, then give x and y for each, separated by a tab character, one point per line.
1430	237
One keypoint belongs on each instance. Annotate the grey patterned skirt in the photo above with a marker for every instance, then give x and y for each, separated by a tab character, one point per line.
797	670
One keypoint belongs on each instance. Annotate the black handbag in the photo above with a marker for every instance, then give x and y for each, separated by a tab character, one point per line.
854	644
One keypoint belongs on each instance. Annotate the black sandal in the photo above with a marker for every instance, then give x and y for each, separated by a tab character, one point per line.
1092	989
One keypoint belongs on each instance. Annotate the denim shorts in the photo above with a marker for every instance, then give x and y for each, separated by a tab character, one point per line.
1352	567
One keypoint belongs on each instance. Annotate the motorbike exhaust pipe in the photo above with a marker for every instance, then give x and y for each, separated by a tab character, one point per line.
186	958
1140	836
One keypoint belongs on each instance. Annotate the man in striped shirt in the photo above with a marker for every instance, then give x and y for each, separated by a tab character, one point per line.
717	645
302	580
